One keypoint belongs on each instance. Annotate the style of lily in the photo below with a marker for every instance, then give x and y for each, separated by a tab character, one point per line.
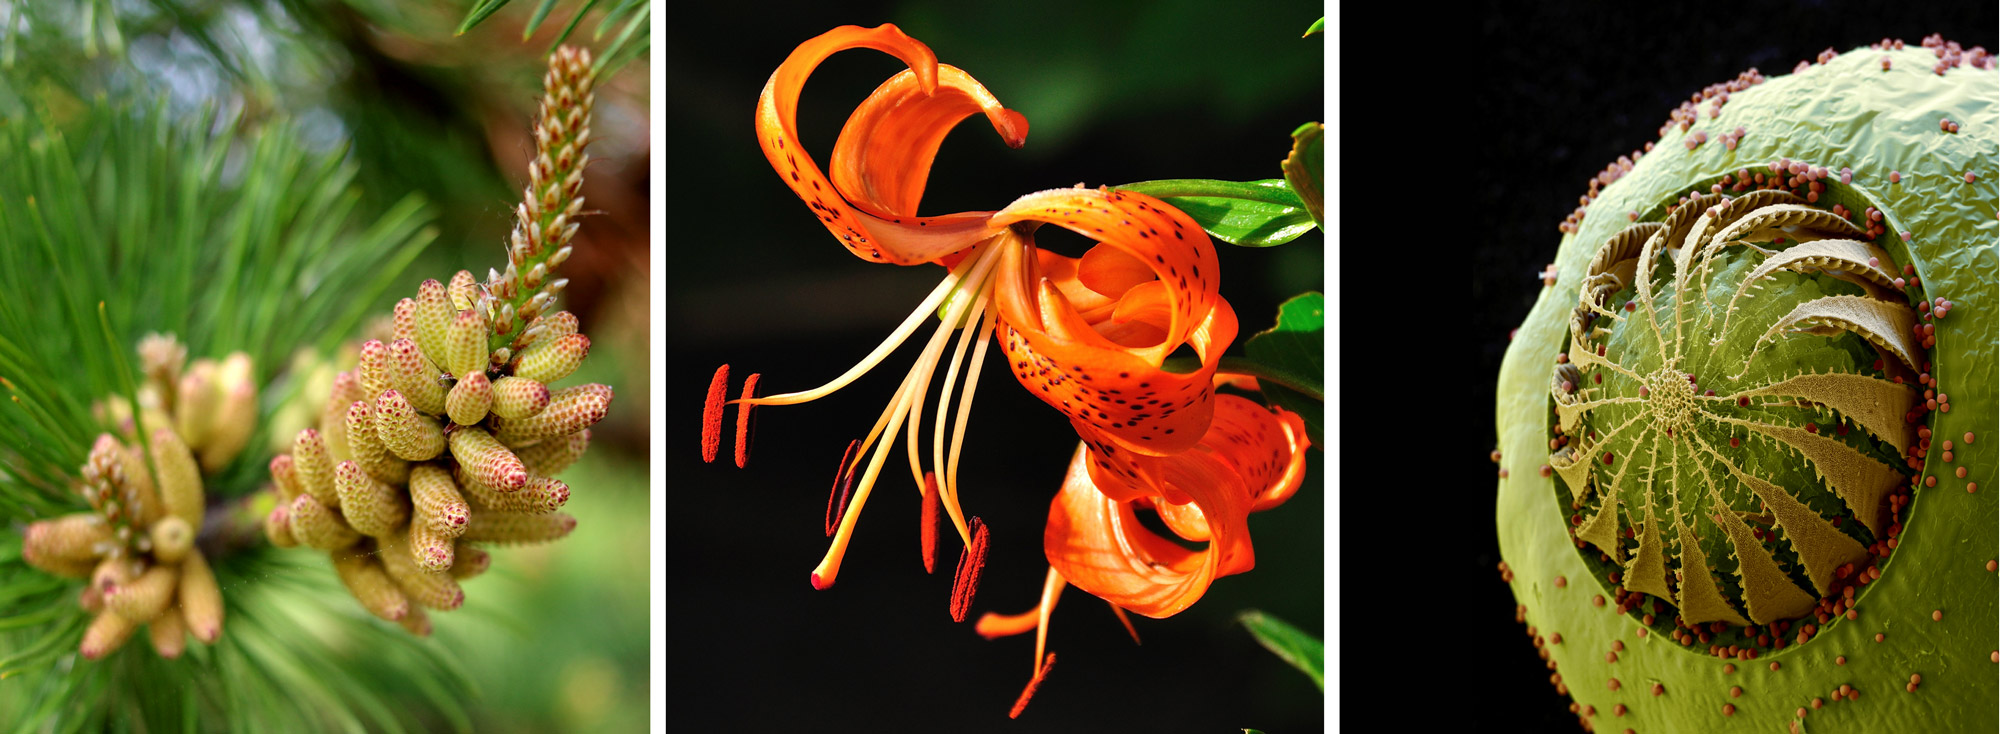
1089	336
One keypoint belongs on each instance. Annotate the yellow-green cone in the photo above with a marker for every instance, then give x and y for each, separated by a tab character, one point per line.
407	434
314	470
508	528
106	634
434	312
144	598
550	456
367	446
201	599
430	549
486	461
416	378
371	507
278	526
316	526
541	495
180	478
426	588
465	344
519	397
235	415
570	410
172	539
67	545
553	358
472	561
470	399
169	633
369	582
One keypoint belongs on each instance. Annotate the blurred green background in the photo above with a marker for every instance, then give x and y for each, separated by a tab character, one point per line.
555	637
1114	92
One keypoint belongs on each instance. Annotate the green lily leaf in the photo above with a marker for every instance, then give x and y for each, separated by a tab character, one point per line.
1317	27
1293	352
1304	166
1289	643
1248	213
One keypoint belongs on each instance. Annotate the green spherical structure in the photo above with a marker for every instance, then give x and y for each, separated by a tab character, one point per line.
1746	435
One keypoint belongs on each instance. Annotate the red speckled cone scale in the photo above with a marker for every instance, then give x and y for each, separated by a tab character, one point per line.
369	582
464	290
486	461
374	371
333	417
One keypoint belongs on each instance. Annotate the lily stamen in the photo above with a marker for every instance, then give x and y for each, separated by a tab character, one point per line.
909	397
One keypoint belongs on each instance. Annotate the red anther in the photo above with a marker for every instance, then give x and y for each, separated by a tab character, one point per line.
843	480
743	421
928	534
970	562
711	414
1021	704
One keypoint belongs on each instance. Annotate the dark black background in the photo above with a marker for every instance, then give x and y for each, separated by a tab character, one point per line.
1114	93
1514	107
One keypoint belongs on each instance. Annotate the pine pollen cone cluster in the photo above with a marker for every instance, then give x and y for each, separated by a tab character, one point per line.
136	545
447	435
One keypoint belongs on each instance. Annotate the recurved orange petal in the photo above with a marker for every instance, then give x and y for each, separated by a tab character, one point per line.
885	150
1102	367
1097	544
1263	449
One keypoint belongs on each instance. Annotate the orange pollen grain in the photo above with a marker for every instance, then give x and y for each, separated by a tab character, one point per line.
711	414
970	561
743	420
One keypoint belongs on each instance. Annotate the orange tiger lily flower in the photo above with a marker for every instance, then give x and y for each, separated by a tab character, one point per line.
1250	459
1087	335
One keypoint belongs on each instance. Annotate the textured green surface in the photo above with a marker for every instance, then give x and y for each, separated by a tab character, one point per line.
1850	113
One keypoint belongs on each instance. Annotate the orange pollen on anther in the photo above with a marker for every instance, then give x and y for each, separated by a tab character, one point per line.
711	414
970	562
928	535
743	421
1021	704
843	481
